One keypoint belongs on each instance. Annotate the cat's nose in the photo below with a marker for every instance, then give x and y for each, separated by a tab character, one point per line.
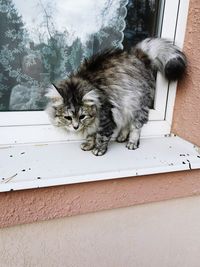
75	127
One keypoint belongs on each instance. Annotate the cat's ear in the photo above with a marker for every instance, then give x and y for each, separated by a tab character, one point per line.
53	95
91	98
59	90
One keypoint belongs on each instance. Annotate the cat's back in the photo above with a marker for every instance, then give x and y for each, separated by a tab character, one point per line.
103	64
111	67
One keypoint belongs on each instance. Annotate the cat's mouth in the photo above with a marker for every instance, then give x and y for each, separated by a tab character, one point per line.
74	129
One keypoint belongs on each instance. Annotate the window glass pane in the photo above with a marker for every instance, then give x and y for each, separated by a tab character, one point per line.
43	41
142	21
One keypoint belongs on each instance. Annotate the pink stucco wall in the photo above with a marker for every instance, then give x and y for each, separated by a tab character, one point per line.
186	121
42	204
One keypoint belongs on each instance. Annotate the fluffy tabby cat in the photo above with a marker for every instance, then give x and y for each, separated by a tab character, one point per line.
112	91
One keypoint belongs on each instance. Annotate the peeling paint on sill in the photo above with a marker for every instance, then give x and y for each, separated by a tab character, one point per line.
33	166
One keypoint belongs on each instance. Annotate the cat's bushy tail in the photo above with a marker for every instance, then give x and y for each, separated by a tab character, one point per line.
164	56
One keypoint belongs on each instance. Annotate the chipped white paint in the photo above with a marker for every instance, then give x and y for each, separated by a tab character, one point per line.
32	166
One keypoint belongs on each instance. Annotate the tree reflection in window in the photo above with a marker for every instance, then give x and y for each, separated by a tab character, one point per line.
35	53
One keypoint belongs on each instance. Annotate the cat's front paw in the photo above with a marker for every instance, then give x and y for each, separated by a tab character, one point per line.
99	151
122	136
132	145
86	146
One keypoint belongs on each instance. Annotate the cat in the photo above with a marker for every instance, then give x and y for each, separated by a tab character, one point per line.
113	91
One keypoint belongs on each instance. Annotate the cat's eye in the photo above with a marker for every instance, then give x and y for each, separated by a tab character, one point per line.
82	117
68	118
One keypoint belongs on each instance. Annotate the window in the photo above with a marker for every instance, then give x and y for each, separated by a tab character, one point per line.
41	44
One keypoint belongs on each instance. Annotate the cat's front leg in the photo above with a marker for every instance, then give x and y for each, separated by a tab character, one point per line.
123	135
134	138
101	144
89	143
105	129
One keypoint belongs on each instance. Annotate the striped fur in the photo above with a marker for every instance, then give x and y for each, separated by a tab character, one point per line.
113	91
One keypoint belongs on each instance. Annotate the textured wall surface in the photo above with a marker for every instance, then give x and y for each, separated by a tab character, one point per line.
164	234
42	204
186	122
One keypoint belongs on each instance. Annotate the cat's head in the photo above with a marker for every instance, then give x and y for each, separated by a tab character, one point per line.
73	104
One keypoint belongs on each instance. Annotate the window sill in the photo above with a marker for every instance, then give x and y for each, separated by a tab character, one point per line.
43	165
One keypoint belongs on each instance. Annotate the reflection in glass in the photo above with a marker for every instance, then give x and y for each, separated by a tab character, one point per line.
43	41
141	21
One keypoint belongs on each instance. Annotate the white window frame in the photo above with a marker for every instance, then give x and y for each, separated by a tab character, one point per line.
34	126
